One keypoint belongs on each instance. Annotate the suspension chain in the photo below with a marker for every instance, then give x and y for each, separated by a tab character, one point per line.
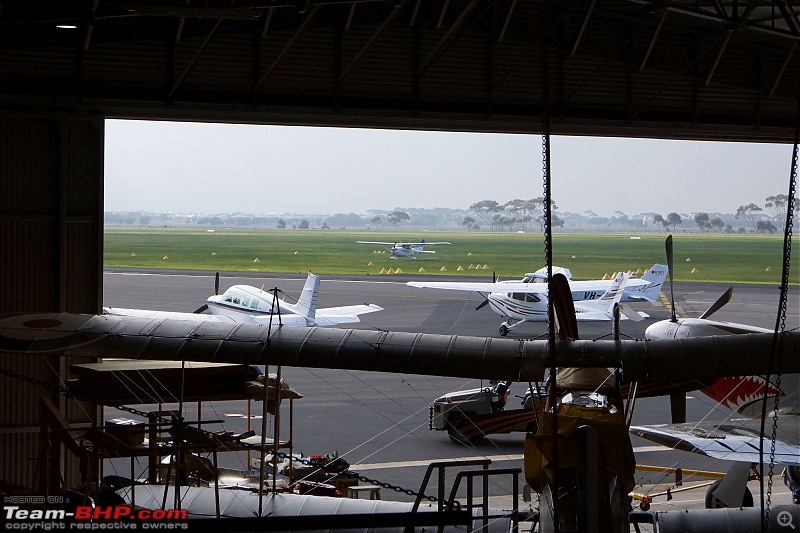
282	455
780	326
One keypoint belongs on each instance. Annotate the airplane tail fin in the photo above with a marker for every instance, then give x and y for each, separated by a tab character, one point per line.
307	304
613	296
614	292
603	307
655	277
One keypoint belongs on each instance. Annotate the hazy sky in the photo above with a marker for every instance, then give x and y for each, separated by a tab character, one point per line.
221	168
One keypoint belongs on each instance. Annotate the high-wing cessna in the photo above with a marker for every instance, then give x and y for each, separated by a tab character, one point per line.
526	300
246	304
405	249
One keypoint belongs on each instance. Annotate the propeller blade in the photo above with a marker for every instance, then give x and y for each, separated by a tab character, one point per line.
482	304
201	308
721	301
494	276
564	307
216	284
668	245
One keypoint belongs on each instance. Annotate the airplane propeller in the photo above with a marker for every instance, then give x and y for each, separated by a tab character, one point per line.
668	246
486	300
677	399
203	307
564	307
721	301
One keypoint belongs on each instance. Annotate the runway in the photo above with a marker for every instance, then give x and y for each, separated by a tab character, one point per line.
380	421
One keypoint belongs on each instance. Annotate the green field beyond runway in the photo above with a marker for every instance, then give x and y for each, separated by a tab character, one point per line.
698	257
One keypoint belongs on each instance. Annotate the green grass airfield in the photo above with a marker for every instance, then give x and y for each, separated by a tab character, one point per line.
698	257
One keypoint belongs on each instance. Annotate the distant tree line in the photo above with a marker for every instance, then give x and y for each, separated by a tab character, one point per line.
484	215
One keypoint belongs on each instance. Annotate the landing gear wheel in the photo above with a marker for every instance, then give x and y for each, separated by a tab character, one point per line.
454	434
503	330
713	503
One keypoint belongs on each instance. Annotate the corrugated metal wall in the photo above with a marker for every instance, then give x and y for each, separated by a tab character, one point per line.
51	178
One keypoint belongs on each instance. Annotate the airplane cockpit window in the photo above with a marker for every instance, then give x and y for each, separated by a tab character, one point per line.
533	279
524	297
246	300
254	303
232	296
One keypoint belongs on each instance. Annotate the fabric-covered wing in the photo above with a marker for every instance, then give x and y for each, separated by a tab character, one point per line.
735	440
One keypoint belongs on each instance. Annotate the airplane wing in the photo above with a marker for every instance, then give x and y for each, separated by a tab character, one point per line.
347	314
477	286
734	440
402	243
172	315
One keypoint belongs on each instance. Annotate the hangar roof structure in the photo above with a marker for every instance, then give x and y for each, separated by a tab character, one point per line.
689	69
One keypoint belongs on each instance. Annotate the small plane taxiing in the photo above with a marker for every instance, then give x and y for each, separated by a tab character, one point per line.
247	304
405	249
526	300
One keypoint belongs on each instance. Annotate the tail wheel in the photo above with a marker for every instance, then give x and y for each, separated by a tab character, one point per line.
713	503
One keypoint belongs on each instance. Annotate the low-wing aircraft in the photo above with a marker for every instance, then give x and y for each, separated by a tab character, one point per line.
405	249
526	300
247	304
737	440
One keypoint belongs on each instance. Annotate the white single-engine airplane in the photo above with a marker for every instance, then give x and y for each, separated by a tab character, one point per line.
738	439
526	300
246	304
405	249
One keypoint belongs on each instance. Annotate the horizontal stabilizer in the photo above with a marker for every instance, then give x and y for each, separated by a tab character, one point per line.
348	314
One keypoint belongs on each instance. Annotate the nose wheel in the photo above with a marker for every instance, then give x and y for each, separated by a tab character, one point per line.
503	329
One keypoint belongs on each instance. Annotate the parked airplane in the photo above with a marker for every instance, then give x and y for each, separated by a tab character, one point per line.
246	304
526	300
738	440
406	249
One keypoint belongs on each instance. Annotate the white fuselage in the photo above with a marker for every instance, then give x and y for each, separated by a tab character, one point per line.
243	303
407	251
532	306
